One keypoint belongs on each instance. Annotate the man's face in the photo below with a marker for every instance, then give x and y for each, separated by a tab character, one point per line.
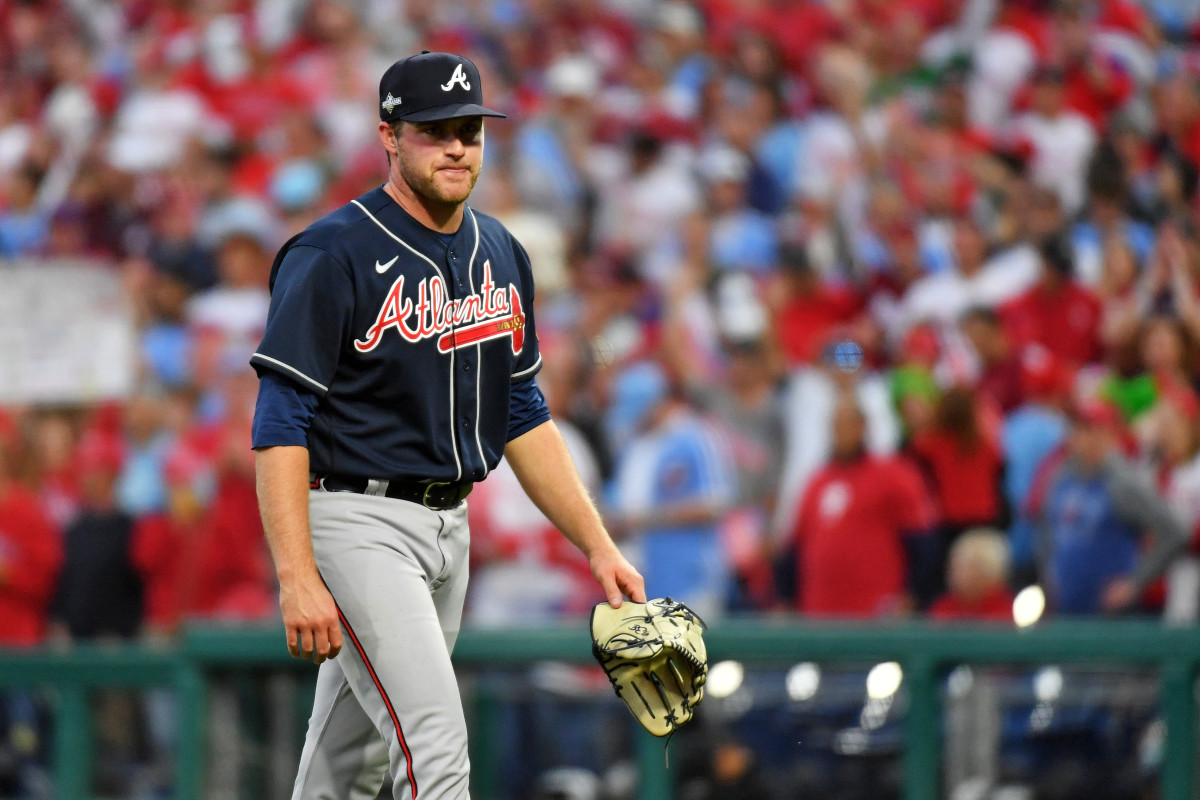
1048	98
847	431
970	246
1091	443
981	335
439	160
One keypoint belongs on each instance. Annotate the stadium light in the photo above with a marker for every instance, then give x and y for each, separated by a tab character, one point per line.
884	680
725	678
1048	684
802	681
1028	606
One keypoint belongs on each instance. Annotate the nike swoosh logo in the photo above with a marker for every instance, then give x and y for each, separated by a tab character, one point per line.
382	268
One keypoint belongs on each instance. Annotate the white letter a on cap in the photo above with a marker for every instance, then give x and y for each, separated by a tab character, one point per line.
458	77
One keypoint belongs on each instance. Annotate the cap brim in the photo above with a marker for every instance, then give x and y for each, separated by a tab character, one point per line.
450	111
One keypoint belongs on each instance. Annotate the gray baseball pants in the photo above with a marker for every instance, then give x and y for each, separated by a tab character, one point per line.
389	702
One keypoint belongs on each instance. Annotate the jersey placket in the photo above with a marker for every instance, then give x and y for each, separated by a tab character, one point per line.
465	409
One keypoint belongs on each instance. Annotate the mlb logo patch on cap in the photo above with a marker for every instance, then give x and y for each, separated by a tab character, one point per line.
432	86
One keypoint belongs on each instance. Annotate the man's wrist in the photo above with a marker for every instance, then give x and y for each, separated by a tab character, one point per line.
292	572
604	546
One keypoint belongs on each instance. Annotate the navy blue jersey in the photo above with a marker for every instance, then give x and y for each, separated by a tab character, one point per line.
413	344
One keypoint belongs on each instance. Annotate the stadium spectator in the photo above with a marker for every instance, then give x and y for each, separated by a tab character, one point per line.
857	533
732	772
999	382
973	281
809	307
200	559
1164	350
1031	433
30	553
99	593
673	484
1061	139
1057	313
23	226
1174	441
739	394
550	152
961	459
809	398
140	489
227	320
642	207
738	236
1123	299
977	579
915	391
30	561
1106	219
51	461
1106	533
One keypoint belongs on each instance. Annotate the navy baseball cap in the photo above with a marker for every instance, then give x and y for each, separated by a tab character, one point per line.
432	86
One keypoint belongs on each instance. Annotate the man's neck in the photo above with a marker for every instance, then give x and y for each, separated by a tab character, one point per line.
850	456
435	216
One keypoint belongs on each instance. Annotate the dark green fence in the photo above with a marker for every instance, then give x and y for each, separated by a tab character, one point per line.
926	653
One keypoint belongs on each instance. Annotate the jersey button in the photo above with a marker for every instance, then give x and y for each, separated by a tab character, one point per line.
466	367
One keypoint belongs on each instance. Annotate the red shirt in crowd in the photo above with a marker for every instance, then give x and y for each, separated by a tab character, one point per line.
805	321
995	605
1002	385
965	478
1065	322
797	29
1097	89
214	567
30	558
849	536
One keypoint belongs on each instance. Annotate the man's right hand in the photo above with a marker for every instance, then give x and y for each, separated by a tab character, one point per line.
310	618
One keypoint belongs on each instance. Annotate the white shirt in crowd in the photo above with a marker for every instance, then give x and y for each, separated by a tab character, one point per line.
1062	148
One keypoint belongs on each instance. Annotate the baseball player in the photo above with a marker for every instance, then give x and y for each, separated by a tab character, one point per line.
396	369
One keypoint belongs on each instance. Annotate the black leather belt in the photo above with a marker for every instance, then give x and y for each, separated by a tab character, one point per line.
437	495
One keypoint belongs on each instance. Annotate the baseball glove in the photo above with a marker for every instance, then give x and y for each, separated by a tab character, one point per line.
654	655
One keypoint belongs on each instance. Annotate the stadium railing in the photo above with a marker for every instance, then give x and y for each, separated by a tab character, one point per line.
926	653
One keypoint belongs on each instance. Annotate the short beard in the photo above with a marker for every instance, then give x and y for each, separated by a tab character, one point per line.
423	186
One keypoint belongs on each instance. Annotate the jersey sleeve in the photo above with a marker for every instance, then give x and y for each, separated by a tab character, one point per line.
312	305
530	359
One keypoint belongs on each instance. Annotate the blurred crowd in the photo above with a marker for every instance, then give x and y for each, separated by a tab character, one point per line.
859	308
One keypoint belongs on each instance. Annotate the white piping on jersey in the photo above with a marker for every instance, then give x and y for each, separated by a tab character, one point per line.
406	245
429	261
291	369
478	347
536	364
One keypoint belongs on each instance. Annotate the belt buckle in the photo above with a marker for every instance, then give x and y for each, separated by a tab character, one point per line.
425	495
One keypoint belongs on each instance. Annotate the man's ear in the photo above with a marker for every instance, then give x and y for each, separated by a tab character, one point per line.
388	137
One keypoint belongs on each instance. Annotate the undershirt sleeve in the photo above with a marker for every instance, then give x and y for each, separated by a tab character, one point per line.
526	408
283	413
